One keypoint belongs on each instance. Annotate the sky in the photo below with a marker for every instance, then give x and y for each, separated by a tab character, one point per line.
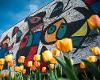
13	11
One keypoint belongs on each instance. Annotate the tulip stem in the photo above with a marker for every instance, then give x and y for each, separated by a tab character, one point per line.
62	55
0	77
85	74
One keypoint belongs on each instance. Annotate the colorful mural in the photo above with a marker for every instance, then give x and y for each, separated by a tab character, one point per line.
40	31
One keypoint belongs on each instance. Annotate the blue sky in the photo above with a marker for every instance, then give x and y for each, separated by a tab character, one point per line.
13	11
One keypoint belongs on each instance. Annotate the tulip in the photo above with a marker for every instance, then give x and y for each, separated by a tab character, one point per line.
44	70
12	75
56	52
1	67
53	60
21	59
82	65
2	61
37	64
29	64
64	45
21	67
92	58
11	63
2	75
95	51
7	73
71	60
33	68
8	58
51	66
98	22
24	71
36	57
94	22
47	55
17	69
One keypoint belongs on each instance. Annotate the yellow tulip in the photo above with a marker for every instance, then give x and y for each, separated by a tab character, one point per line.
95	51
12	75
56	52
8	58
21	67
82	65
51	66
71	60
7	73
92	58
36	57
29	64
21	59
47	56
64	45
2	61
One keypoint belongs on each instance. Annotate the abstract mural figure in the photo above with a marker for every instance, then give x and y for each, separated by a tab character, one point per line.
18	34
29	44
4	47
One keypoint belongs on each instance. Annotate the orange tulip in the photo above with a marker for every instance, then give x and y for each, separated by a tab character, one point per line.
51	66
2	61
46	55
17	69
11	63
37	64
98	22
1	67
21	59
94	22
33	68
53	60
2	75
56	52
24	71
8	58
44	70
95	51
64	45
82	65
92	58
29	64
36	57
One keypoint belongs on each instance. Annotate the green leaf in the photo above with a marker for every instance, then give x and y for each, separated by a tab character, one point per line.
52	76
68	68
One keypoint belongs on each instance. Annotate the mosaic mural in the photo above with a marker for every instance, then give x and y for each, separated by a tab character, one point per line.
57	20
